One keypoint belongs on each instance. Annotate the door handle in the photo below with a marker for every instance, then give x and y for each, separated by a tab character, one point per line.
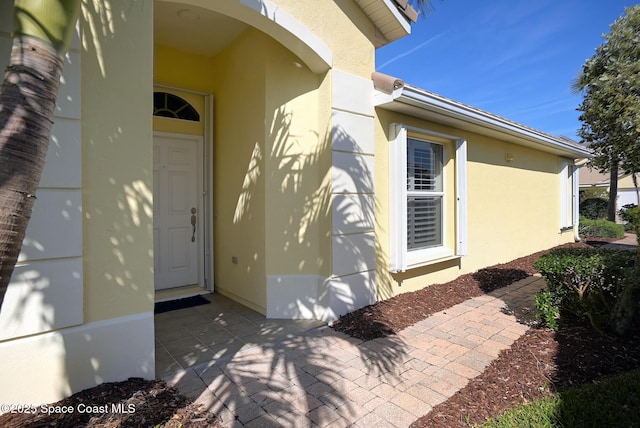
194	220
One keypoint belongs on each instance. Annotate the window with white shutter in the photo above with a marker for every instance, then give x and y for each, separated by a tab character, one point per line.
420	195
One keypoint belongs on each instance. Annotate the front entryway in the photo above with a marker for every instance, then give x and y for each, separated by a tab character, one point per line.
177	210
206	333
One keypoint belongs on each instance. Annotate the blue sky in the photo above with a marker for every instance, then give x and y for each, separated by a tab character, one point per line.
514	58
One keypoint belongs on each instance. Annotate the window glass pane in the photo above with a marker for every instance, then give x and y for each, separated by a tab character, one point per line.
424	222
424	166
169	105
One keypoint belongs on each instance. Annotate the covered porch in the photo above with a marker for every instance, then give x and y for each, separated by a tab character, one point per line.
215	330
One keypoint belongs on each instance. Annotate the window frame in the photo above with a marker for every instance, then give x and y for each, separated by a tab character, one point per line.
401	258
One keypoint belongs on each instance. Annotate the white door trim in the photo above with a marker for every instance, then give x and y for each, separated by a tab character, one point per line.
208	192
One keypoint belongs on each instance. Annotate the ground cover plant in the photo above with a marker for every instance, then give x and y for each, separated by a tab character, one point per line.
617	399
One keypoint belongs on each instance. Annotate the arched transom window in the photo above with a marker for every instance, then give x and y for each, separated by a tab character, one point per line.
173	106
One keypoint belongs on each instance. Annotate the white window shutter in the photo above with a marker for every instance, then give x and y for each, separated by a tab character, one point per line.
461	197
397	196
566	194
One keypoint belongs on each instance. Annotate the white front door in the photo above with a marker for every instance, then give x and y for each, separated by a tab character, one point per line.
177	205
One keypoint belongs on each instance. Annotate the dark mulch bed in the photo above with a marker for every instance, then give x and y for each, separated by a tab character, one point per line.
390	316
142	403
538	363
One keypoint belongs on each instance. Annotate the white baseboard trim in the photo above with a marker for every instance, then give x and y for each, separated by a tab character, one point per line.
318	297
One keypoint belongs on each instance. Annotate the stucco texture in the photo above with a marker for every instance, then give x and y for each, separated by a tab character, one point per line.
513	206
117	160
334	23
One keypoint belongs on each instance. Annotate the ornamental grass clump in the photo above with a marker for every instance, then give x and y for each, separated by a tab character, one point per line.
587	283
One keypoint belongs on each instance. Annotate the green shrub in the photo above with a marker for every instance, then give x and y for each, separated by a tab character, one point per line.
600	228
625	316
630	215
585	282
594	208
627	212
548	311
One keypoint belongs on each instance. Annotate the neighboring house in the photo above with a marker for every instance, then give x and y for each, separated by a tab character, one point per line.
590	178
276	171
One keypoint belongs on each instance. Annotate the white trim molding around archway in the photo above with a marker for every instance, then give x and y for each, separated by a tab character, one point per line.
269	18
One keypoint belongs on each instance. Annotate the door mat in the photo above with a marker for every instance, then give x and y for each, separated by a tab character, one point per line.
172	305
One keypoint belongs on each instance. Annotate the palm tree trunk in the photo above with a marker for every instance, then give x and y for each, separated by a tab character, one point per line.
27	102
613	191
634	177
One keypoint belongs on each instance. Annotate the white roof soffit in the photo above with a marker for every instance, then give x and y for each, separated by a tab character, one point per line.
416	102
392	18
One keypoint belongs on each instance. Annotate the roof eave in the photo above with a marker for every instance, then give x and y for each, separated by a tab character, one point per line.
426	105
392	22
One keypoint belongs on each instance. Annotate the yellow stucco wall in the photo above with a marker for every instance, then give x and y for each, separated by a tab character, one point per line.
334	23
513	207
181	69
239	197
117	160
299	164
187	75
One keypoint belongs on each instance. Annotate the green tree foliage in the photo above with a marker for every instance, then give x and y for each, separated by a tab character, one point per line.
594	208
594	192
610	81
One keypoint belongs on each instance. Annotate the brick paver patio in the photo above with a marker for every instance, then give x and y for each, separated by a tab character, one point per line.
327	379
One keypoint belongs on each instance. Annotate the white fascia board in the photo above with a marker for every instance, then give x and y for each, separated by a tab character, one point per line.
402	20
387	18
426	101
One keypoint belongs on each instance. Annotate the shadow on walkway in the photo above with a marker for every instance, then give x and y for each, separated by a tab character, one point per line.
318	377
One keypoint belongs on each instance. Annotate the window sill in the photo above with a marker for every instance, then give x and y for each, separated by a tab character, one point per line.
442	255
433	262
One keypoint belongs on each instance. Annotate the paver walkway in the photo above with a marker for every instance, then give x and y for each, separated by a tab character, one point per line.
628	242
325	378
